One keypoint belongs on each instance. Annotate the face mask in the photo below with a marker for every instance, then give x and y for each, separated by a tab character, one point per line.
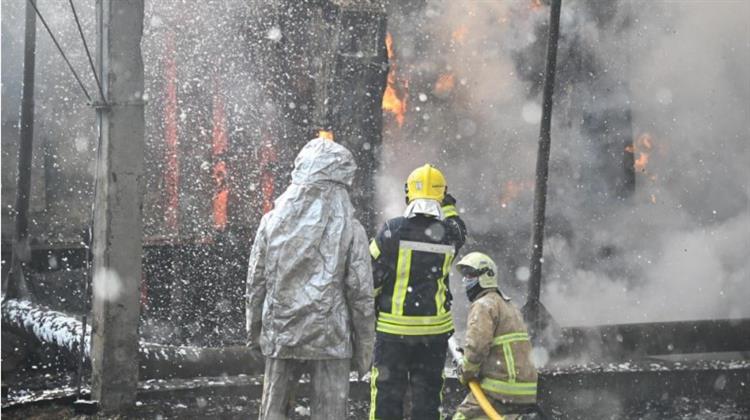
469	282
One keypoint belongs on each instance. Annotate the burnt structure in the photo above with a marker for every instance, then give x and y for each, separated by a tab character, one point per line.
220	147
226	113
591	93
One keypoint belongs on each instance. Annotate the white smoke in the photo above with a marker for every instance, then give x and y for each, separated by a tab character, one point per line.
676	249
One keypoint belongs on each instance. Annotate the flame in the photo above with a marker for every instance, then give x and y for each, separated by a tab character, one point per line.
218	149
641	148
172	167
459	34
445	83
512	189
221	197
267	179
394	97
389	45
325	134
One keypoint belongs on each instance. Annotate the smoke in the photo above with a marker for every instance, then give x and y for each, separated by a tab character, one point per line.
64	136
668	79
672	73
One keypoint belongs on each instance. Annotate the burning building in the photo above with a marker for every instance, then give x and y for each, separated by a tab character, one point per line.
227	110
637	231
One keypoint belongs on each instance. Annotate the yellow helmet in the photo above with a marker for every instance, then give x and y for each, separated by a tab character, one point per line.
480	265
425	182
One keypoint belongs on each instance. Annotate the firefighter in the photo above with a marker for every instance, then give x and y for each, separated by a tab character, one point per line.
497	350
412	257
310	287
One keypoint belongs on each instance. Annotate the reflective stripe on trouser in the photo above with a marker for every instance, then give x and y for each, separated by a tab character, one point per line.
403	364
330	388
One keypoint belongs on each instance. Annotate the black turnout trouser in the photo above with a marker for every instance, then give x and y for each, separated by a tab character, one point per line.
411	362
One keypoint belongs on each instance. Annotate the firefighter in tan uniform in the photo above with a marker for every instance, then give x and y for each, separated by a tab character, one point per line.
497	350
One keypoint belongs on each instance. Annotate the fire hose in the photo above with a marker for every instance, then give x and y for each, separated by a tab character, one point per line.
473	384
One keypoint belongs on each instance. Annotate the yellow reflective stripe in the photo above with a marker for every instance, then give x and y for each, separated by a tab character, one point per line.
470	366
415	320
373	391
403	267
507	388
412	330
376	292
441	293
374	249
509	362
509	338
395	329
449	211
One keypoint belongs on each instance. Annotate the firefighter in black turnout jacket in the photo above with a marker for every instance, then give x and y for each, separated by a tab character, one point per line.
412	257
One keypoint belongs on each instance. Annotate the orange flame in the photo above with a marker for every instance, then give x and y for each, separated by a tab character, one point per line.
221	197
445	83
394	97
389	45
325	134
268	160
218	150
459	34
512	189
642	149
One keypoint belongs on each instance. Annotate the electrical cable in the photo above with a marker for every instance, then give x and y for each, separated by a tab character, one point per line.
59	48
88	53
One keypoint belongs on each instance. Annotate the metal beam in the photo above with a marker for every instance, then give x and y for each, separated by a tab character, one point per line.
542	172
21	252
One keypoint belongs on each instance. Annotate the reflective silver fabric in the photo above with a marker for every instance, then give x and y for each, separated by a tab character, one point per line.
309	285
330	388
424	206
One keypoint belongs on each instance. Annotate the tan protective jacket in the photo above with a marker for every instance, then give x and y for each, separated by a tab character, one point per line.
497	350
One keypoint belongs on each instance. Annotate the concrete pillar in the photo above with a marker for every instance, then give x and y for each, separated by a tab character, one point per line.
117	217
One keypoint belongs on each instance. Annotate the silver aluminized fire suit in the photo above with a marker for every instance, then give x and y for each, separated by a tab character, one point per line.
310	305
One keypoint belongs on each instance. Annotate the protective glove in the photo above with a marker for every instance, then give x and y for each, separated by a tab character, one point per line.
464	374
